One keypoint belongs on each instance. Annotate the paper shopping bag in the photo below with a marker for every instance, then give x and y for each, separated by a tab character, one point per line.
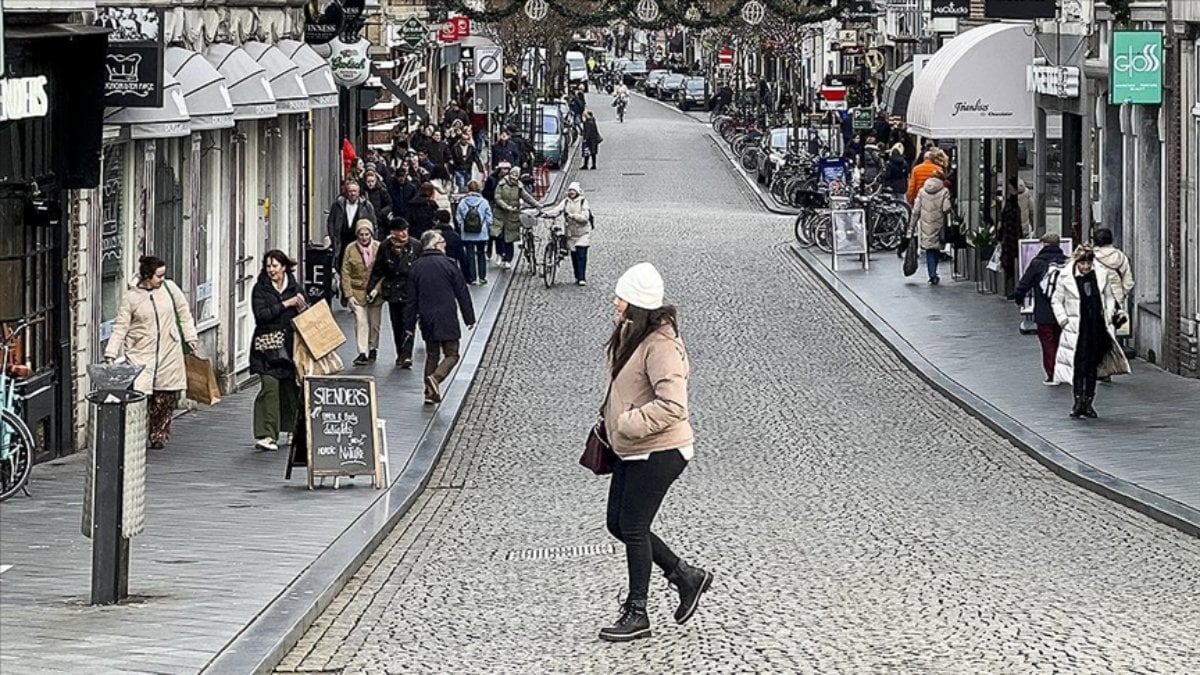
201	380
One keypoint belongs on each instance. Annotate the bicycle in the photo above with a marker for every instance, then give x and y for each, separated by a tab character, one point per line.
556	250
621	103
16	441
529	239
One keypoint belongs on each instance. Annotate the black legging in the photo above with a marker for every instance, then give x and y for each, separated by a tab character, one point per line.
634	495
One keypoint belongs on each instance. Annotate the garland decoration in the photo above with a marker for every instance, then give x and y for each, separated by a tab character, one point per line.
650	14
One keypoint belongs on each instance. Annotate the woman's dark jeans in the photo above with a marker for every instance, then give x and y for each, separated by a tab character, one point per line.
634	495
579	262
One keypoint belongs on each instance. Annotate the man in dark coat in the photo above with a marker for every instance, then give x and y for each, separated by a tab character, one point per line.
456	113
1043	313
437	291
389	278
454	245
505	150
420	211
438	151
463	158
402	189
347	210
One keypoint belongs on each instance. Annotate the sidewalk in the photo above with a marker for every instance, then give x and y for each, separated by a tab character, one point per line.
235	561
1143	451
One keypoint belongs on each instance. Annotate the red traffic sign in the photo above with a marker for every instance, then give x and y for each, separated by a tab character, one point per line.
725	57
455	29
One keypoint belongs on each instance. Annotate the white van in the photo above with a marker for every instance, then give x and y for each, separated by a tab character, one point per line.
577	72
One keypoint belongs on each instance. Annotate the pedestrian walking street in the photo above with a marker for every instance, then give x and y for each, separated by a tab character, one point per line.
855	519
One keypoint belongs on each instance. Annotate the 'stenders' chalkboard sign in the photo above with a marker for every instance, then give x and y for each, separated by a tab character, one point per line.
341	417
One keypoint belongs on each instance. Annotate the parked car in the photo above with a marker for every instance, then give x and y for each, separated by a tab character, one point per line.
650	85
577	72
634	72
669	85
693	94
776	145
555	138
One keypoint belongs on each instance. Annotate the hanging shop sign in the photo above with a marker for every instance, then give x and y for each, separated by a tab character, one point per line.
859	11
454	29
349	62
725	58
23	98
1059	81
1020	9
1135	67
412	33
322	23
950	9
134	61
874	60
354	21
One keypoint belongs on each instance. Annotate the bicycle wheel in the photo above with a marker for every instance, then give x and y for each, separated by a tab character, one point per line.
889	227
529	252
749	158
550	260
822	234
801	229
17	444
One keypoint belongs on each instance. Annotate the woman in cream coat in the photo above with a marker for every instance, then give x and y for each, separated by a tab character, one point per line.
147	330
1084	306
578	215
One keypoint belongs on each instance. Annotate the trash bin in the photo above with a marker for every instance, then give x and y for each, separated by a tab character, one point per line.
115	483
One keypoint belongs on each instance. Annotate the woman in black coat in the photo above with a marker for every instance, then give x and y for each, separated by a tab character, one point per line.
895	172
276	300
591	138
421	210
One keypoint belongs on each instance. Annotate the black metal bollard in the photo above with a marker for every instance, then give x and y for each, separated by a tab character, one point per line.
115	489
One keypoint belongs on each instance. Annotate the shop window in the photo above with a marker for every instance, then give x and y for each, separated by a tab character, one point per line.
211	200
113	280
167	242
28	281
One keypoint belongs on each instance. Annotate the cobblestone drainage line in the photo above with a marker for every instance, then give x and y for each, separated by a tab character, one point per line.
1156	506
267	639
560	552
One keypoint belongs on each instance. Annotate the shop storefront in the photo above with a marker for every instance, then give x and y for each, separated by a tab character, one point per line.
973	92
50	120
321	170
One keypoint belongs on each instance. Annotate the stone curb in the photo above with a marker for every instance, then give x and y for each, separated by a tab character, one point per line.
263	643
1163	509
1062	463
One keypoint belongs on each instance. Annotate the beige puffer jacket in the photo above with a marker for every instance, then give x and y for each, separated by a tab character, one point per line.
647	407
929	213
145	330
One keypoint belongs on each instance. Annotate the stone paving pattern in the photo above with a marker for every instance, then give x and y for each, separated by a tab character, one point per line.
225	533
856	520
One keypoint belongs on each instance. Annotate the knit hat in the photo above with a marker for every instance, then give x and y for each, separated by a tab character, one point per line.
641	286
574	186
363	224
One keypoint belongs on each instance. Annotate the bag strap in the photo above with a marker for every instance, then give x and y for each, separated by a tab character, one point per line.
178	322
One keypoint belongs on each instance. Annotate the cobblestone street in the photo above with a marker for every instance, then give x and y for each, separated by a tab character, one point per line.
855	519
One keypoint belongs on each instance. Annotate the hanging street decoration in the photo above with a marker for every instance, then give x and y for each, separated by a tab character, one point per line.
647	10
653	14
753	12
536	10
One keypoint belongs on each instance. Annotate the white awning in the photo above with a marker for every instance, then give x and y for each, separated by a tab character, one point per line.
318	79
204	89
249	88
286	82
171	120
974	86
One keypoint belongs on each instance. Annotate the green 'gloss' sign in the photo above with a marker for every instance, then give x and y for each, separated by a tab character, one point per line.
1135	67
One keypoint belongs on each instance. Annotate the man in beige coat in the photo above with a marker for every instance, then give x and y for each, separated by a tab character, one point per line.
148	328
357	261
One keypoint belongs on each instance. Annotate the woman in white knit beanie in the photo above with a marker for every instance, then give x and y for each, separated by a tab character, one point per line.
646	416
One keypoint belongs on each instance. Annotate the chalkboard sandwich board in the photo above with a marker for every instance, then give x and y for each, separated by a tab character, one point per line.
343	439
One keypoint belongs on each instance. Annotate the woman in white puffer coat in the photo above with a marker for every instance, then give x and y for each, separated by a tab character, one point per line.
928	216
1084	306
578	214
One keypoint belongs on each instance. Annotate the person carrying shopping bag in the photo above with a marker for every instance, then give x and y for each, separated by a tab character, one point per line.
152	328
276	300
357	262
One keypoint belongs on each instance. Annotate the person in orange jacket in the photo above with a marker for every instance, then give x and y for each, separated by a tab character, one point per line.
936	161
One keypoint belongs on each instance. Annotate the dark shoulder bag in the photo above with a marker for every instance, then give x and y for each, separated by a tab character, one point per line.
598	455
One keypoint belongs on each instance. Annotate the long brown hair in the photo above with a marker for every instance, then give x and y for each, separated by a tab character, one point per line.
638	324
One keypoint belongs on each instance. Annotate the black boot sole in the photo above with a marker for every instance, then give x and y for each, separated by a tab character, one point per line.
625	637
708	579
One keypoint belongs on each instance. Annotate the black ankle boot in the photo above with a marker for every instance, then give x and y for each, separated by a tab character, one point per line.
630	625
1088	411
1077	409
691	582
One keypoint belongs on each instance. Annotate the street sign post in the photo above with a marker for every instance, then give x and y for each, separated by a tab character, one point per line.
725	58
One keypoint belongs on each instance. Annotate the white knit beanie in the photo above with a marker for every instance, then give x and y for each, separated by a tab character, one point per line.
641	286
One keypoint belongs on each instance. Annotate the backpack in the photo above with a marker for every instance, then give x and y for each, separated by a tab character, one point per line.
473	221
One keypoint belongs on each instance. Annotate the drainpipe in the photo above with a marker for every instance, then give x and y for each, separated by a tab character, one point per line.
1173	337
